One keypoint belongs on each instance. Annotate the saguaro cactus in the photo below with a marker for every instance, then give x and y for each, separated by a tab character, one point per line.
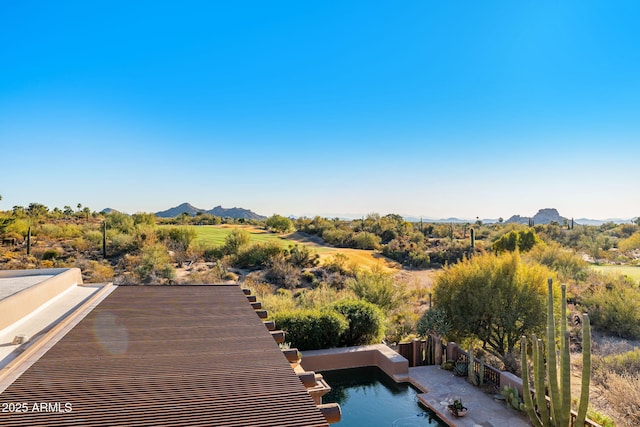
473	239
104	239
559	391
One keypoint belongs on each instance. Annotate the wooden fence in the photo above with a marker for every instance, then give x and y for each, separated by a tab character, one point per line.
421	352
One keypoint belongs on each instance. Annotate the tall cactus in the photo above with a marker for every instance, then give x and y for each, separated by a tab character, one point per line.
473	239
29	241
559	392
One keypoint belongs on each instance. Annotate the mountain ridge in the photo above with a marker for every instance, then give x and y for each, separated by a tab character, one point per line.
236	213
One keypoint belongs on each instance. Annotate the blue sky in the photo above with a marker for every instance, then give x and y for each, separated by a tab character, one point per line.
420	108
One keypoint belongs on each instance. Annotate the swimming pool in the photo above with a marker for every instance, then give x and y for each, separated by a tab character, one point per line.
368	397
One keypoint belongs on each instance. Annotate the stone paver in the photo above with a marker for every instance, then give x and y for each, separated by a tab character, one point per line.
442	388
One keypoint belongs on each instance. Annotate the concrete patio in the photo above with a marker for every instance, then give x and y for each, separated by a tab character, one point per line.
442	387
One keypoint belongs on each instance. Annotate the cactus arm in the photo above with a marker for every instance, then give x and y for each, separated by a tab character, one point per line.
586	370
563	315
541	395
526	391
552	364
565	373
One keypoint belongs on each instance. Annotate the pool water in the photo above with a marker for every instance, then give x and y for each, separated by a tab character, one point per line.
368	397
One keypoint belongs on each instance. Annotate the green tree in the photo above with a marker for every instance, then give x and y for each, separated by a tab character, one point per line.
37	209
523	240
279	224
495	299
366	322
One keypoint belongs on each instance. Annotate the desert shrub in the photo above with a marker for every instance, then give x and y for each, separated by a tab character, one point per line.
13	235
624	363
51	254
212	254
614	307
625	230
451	253
401	325
119	242
624	397
208	276
366	322
600	418
79	244
275	302
51	231
145	233
321	296
120	222
338	237
235	240
144	219
45	264
307	277
523	240
153	264
279	224
312	329
566	262
95	272
376	287
178	240
255	255
94	237
630	243
338	263
303	257
229	275
366	240
282	273
18	225
408	252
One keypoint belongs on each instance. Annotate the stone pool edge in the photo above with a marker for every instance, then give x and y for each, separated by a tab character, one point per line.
390	362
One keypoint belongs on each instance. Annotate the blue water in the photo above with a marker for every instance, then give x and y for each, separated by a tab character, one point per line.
368	397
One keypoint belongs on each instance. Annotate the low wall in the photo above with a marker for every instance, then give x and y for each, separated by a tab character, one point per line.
378	355
20	304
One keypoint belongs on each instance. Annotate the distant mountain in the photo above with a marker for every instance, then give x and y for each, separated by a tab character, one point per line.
588	221
450	220
217	211
544	216
179	210
108	210
234	213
